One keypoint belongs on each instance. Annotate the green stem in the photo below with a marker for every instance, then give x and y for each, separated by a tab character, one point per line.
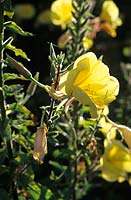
2	99
45	87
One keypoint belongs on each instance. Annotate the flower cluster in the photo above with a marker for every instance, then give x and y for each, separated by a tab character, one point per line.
108	21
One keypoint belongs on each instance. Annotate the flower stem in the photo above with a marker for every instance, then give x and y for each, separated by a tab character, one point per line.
2	99
45	87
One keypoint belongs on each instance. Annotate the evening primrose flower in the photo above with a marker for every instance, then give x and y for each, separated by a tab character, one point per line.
61	12
90	82
116	161
110	15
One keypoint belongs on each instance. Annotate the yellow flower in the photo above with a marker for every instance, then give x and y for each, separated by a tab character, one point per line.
116	161
90	82
61	12
87	42
110	13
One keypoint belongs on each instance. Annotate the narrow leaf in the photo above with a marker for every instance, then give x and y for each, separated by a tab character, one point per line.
12	26
18	52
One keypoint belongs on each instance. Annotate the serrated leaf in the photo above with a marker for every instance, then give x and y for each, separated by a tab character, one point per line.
18	52
12	26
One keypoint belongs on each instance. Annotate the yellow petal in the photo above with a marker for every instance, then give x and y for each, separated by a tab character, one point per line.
107	94
85	61
116	161
110	11
61	12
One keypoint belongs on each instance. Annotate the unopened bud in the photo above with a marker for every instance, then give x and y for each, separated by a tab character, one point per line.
40	144
25	72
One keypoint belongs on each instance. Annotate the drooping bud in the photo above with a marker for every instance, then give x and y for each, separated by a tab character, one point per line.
21	69
40	144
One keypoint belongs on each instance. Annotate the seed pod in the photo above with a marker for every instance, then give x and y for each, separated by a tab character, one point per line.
40	144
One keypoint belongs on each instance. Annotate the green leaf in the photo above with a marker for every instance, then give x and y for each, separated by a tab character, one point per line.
36	191
10	76
19	109
18	52
58	166
21	140
12	26
12	89
48	194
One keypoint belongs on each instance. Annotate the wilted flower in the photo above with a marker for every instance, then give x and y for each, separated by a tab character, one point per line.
116	161
40	144
61	12
90	82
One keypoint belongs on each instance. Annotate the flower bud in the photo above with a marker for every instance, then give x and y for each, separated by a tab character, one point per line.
40	144
21	69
